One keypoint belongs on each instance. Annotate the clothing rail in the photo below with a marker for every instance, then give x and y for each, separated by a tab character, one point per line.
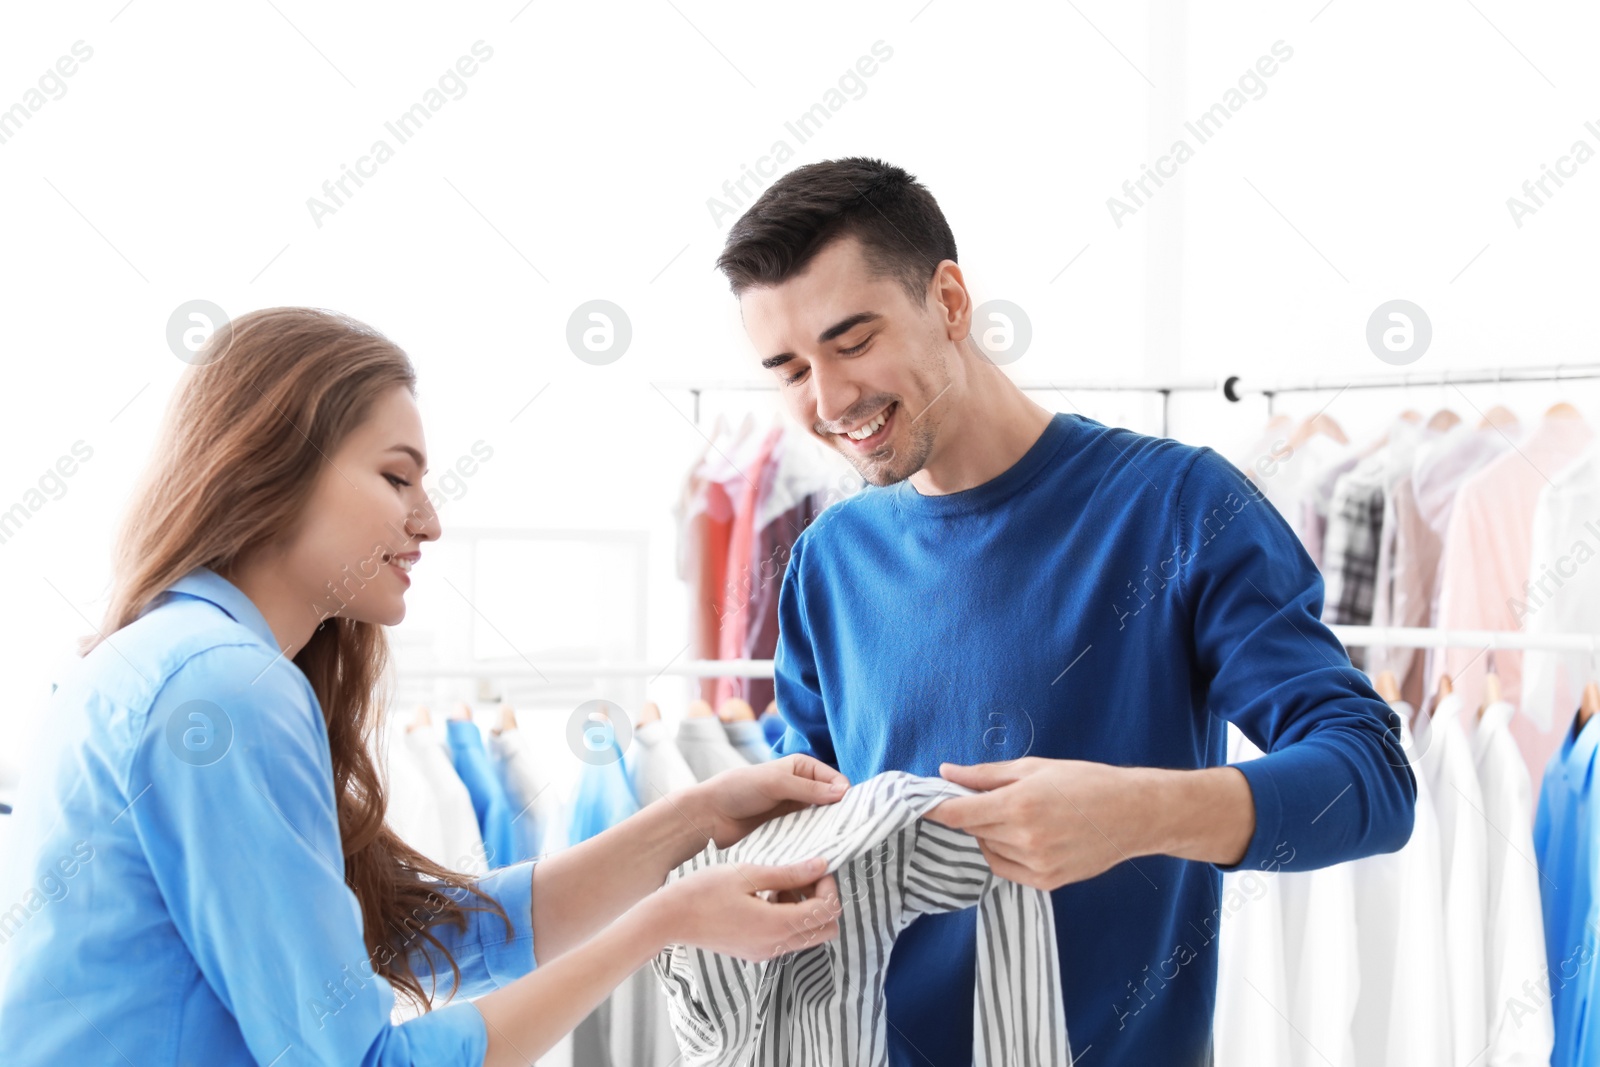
1349	636
1237	388
1440	637
1234	388
703	668
1101	385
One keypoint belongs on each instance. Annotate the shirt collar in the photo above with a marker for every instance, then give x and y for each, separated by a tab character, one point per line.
206	584
1580	745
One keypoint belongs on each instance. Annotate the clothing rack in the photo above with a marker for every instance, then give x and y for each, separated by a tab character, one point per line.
704	668
1233	388
1440	637
1236	388
1101	385
1349	636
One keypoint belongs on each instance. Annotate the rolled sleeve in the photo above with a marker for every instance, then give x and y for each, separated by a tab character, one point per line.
488	953
1334	783
455	1033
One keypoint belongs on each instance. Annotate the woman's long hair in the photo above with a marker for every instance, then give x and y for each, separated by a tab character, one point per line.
245	436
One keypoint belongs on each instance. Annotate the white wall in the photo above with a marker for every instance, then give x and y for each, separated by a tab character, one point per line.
578	165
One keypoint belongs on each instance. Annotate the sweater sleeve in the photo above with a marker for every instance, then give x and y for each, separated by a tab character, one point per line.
1335	783
797	687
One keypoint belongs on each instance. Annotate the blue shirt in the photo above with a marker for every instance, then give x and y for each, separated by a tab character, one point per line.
186	899
1111	597
489	801
604	796
1566	838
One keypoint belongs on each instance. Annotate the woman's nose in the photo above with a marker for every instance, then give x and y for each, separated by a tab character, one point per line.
424	523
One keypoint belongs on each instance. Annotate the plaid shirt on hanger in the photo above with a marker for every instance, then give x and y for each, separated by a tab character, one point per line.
1350	551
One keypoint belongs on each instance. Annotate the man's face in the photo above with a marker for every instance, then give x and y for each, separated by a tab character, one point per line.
859	365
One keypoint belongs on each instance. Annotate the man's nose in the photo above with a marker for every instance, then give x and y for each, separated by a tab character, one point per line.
834	393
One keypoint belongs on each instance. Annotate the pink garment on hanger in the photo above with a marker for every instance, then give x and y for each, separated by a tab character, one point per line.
737	588
705	523
1436	477
774	543
1408	559
1486	553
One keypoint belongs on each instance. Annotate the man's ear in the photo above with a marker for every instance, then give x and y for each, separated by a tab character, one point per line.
952	300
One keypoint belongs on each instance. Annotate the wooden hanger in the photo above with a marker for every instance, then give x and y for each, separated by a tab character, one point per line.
1591	691
651	712
462	712
718	429
1410	415
1444	689
772	709
1319	423
1562	410
1386	685
421	719
1491	686
1498	415
701	709
508	719
1444	419
1590	703
736	710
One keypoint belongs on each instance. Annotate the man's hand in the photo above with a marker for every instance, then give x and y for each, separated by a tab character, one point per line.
1046	823
737	801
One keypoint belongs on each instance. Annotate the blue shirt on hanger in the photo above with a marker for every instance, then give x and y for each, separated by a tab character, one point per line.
1566	838
1111	597
605	793
185	898
489	802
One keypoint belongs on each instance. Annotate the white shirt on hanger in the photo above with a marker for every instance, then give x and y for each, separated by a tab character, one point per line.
1521	1027
1250	1023
536	810
705	746
1564	591
1320	963
1446	760
655	766
1403	1011
410	811
463	842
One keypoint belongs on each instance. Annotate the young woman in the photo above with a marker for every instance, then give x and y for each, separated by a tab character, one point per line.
210	876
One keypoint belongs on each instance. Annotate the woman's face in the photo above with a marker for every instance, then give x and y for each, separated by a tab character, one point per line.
366	519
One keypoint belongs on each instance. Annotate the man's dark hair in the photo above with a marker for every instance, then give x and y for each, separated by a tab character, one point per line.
901	229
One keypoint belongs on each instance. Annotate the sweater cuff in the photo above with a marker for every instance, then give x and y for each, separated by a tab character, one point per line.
1262	850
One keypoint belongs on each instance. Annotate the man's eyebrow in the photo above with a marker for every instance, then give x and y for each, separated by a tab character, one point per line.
843	326
418	457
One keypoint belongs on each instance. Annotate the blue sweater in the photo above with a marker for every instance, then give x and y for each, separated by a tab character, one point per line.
1111	597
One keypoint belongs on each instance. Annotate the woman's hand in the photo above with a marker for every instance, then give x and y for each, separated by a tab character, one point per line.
726	909
739	800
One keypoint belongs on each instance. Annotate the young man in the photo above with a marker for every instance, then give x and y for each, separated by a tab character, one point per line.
1059	613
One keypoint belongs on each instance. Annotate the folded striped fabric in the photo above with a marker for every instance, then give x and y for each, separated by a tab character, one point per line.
824	1005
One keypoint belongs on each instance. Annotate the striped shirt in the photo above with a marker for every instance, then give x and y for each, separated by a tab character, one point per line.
825	1004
